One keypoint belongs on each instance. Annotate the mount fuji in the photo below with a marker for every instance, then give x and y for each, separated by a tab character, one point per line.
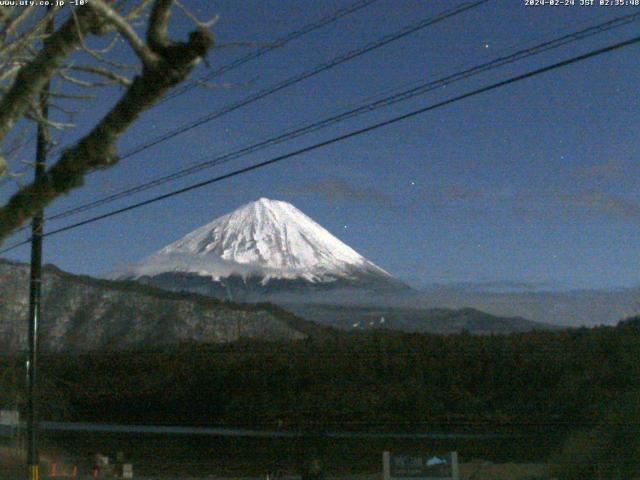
269	251
264	247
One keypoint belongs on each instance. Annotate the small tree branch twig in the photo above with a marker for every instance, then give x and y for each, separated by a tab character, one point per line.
124	28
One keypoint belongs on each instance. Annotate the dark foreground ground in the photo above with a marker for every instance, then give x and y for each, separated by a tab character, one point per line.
196	456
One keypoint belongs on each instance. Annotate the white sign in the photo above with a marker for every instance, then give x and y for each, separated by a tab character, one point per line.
9	417
420	467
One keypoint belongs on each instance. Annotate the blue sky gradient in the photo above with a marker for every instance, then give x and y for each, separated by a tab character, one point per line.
535	182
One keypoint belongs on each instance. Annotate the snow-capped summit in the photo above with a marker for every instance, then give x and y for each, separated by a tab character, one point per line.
268	240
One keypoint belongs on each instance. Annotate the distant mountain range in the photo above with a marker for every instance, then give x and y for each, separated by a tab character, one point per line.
572	308
414	319
82	313
268	250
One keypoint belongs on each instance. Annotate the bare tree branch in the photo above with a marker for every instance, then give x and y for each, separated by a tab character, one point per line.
103	72
10	72
98	55
206	24
90	84
172	64
157	35
13	24
37	116
139	47
25	38
109	46
73	96
37	73
136	11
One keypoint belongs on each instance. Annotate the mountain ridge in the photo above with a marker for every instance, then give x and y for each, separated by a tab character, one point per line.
261	243
84	313
81	313
433	320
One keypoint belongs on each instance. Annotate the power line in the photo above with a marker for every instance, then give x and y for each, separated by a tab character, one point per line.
365	108
277	43
408	30
340	59
370	128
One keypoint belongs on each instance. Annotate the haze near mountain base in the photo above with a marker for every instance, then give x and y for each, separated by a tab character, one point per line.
268	250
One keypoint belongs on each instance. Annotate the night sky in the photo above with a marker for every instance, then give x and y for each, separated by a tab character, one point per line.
533	183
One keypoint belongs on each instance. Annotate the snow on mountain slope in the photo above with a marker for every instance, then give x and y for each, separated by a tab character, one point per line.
267	238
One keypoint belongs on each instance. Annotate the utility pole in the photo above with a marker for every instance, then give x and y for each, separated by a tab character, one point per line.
35	283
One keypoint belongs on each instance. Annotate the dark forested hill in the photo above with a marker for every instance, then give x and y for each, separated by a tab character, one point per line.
414	319
357	380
